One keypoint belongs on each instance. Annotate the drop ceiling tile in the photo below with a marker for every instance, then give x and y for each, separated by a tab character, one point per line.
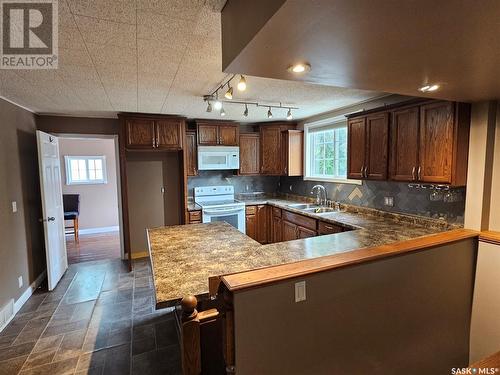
179	9
110	55
170	31
79	76
113	10
74	57
70	37
208	24
106	32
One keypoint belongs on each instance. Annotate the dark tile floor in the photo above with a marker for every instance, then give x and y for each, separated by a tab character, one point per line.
99	320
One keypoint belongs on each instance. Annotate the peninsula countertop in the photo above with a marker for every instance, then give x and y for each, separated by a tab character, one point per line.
185	257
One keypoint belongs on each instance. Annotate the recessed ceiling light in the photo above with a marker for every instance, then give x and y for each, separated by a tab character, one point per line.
299	68
428	88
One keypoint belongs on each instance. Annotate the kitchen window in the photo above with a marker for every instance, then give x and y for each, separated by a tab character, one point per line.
326	151
85	170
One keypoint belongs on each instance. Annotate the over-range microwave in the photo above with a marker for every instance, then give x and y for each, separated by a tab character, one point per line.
218	158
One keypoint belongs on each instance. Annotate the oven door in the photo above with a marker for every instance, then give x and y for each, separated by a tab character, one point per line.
232	216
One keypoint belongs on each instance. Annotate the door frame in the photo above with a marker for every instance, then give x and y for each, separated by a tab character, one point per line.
115	138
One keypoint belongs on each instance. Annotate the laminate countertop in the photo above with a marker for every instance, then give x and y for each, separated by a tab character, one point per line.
185	257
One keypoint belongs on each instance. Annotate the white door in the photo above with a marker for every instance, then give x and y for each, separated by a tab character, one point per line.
52	207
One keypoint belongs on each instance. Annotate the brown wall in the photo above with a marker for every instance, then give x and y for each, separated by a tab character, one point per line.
22	250
402	315
77	125
98	203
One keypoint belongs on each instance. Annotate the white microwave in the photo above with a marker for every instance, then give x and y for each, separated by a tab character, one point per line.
218	158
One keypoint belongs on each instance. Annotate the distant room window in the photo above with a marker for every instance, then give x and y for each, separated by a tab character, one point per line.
85	170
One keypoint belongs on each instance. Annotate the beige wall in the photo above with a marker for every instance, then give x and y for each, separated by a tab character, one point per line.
483	213
22	250
98	203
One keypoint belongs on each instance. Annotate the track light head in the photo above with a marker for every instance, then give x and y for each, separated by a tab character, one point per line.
209	107
242	84
269	113
289	114
229	93
245	112
222	112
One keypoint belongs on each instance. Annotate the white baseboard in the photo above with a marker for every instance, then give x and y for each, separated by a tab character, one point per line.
24	297
97	230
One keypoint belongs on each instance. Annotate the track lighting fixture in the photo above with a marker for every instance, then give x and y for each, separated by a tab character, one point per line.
269	113
289	114
209	107
222	112
217	103
229	92
242	84
245	112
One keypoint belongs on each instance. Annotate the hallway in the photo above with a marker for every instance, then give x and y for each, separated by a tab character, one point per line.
92	247
99	320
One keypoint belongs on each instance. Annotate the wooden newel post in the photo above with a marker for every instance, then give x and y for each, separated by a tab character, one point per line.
190	337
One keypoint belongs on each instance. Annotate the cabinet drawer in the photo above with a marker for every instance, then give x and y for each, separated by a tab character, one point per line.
327	228
194	216
276	212
303	221
251	210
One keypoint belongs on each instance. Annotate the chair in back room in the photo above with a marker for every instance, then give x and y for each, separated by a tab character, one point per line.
71	204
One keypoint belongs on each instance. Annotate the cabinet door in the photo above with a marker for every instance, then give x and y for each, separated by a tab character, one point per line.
289	231
404	145
293	152
262	224
306	233
276	229
140	133
249	154
251	226
191	154
270	150
356	148
228	135
168	134
436	142
208	135
377	148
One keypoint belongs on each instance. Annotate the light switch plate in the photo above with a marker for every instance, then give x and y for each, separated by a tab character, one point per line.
300	291
20	281
14	206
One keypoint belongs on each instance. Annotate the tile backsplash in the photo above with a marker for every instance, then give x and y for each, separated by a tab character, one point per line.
440	204
242	184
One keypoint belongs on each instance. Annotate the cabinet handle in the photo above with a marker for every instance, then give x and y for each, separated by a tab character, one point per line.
362	169
366	172
413	174
154	141
419	173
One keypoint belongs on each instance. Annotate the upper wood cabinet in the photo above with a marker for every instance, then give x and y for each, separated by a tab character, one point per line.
404	144
367	147
191	154
249	154
217	133
430	143
280	149
150	133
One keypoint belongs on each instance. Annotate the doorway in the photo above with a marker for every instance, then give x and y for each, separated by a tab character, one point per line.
91	196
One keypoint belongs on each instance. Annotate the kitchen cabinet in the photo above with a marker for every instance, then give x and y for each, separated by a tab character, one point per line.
367	147
257	223
327	228
194	217
154	134
249	154
191	154
276	225
217	133
280	149
297	226
429	143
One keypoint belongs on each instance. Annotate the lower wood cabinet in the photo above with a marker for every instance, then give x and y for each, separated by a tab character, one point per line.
276	225
257	223
327	228
297	226
194	217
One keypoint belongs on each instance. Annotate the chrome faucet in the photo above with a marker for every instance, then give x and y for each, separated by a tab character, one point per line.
319	189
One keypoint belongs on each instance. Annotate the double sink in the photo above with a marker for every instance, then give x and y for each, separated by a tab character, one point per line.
313	208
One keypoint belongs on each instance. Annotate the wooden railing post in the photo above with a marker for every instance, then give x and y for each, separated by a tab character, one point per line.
228	330
190	337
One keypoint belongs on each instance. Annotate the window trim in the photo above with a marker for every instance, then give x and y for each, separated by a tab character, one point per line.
67	160
334	122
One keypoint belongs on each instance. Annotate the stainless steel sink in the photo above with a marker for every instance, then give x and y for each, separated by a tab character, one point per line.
320	210
304	206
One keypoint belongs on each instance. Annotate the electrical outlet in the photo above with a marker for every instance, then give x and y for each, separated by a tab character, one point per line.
389	201
300	291
14	206
20	281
